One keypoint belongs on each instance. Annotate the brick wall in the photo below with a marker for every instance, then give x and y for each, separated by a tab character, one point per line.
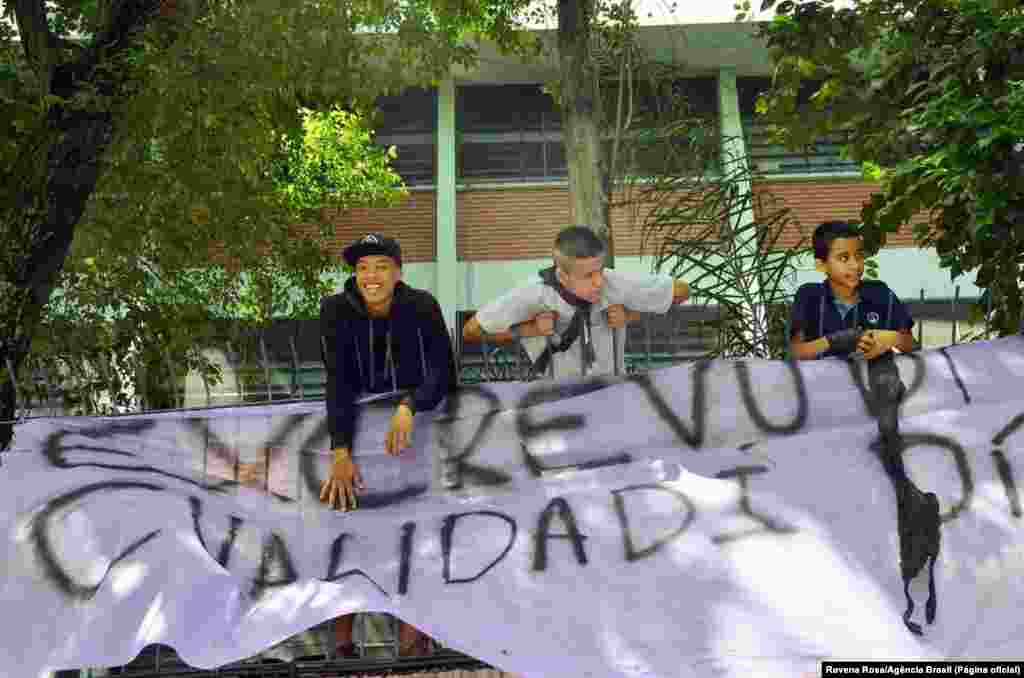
815	201
521	222
411	223
517	223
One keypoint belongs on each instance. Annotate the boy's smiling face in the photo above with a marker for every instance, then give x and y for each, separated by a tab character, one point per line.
376	277
845	264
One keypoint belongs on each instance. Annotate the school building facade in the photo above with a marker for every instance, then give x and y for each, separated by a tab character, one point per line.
483	158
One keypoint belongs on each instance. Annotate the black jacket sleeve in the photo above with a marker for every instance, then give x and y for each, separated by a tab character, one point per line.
798	314
342	375
437	352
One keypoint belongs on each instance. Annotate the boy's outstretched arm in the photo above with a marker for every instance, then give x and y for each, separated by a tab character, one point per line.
472	332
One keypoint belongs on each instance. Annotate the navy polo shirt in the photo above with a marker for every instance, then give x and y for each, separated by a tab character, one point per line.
817	312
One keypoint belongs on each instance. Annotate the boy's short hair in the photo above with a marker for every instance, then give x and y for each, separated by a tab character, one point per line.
829	231
577	242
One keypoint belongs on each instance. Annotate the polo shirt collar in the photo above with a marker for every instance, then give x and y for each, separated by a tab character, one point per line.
829	294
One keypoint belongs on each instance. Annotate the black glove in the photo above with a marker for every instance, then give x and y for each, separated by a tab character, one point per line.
845	341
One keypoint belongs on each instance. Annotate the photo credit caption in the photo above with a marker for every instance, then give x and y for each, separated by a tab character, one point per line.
936	668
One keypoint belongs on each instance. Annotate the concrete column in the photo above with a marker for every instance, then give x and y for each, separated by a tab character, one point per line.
734	147
734	163
446	284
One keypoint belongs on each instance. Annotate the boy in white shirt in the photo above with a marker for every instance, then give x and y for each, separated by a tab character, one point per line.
579	305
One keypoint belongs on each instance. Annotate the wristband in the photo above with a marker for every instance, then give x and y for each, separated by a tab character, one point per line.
341	453
407	401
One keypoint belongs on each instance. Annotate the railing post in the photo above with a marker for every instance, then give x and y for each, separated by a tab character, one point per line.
920	324
647	334
105	369
266	366
457	351
206	386
988	315
615	350
956	300
236	368
487	364
170	369
12	375
551	359
518	346
14	387
296	377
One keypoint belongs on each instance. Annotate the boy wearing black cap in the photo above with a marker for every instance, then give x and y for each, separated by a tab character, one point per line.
379	335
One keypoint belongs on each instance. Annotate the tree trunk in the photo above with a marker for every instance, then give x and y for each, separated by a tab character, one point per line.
72	170
58	170
7	404
582	118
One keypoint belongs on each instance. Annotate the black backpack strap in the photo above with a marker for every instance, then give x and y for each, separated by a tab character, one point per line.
914	627
575	327
580	325
920	542
931	607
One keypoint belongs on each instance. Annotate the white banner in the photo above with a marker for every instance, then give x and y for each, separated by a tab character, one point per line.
725	518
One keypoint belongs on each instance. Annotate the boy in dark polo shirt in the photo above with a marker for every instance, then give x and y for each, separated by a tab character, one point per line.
844	314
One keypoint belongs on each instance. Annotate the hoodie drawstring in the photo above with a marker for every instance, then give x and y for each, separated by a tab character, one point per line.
389	360
359	359
373	362
821	317
423	353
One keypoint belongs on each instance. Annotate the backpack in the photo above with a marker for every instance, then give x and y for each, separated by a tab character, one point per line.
920	537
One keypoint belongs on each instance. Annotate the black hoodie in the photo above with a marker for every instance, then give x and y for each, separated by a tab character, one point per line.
409	349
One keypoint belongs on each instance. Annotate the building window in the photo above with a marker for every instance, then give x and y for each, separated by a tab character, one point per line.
508	133
409	123
658	113
768	158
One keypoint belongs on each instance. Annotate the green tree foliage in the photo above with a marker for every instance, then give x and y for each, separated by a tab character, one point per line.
141	136
931	96
147	311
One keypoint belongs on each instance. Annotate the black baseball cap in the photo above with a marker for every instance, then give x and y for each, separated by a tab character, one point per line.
372	244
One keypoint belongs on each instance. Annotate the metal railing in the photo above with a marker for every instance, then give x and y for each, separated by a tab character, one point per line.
263	367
